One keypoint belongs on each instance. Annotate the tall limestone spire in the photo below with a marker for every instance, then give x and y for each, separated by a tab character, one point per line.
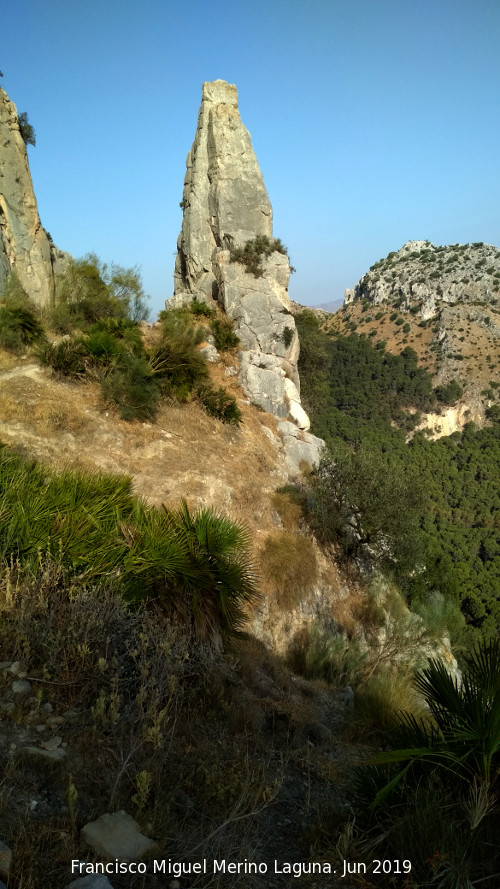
225	201
225	205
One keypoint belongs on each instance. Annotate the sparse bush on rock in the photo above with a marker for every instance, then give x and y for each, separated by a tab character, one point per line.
255	250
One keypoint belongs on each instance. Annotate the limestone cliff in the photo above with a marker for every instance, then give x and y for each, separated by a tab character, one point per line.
25	248
226	205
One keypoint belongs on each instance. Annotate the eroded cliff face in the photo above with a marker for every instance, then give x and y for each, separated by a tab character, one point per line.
225	205
25	248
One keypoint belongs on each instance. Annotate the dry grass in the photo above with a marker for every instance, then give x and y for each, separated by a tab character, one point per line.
185	453
351	610
289	512
380	701
289	563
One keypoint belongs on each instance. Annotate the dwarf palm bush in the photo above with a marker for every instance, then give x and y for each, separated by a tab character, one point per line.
192	567
74	514
463	738
439	809
195	566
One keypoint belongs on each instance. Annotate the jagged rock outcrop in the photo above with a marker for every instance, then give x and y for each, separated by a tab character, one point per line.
25	247
424	277
225	205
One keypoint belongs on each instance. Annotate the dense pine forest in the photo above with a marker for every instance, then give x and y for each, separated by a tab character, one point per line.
444	494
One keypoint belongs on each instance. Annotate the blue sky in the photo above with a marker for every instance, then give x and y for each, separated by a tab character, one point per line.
374	122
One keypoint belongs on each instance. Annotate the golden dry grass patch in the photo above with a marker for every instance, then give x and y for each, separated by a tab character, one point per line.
351	610
185	453
289	564
289	512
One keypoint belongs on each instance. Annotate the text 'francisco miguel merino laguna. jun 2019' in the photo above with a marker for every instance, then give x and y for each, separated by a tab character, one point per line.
214	866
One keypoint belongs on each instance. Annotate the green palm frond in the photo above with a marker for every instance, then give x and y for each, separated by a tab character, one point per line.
465	740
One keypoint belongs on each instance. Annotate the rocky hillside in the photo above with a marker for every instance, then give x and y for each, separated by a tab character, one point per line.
423	276
444	302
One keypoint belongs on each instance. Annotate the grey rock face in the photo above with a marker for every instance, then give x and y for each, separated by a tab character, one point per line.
24	245
300	447
225	200
226	204
458	288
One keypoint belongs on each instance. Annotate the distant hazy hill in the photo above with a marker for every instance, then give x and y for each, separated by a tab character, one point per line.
332	306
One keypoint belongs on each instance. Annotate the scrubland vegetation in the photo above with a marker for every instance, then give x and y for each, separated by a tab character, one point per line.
94	318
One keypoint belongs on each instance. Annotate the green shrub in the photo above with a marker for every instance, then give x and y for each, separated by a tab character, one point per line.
19	322
449	393
131	386
26	130
218	403
175	362
361	504
287	336
68	358
200	309
19	327
102	346
224	335
123	330
89	290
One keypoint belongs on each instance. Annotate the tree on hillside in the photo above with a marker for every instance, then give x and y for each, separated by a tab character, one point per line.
368	507
91	290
